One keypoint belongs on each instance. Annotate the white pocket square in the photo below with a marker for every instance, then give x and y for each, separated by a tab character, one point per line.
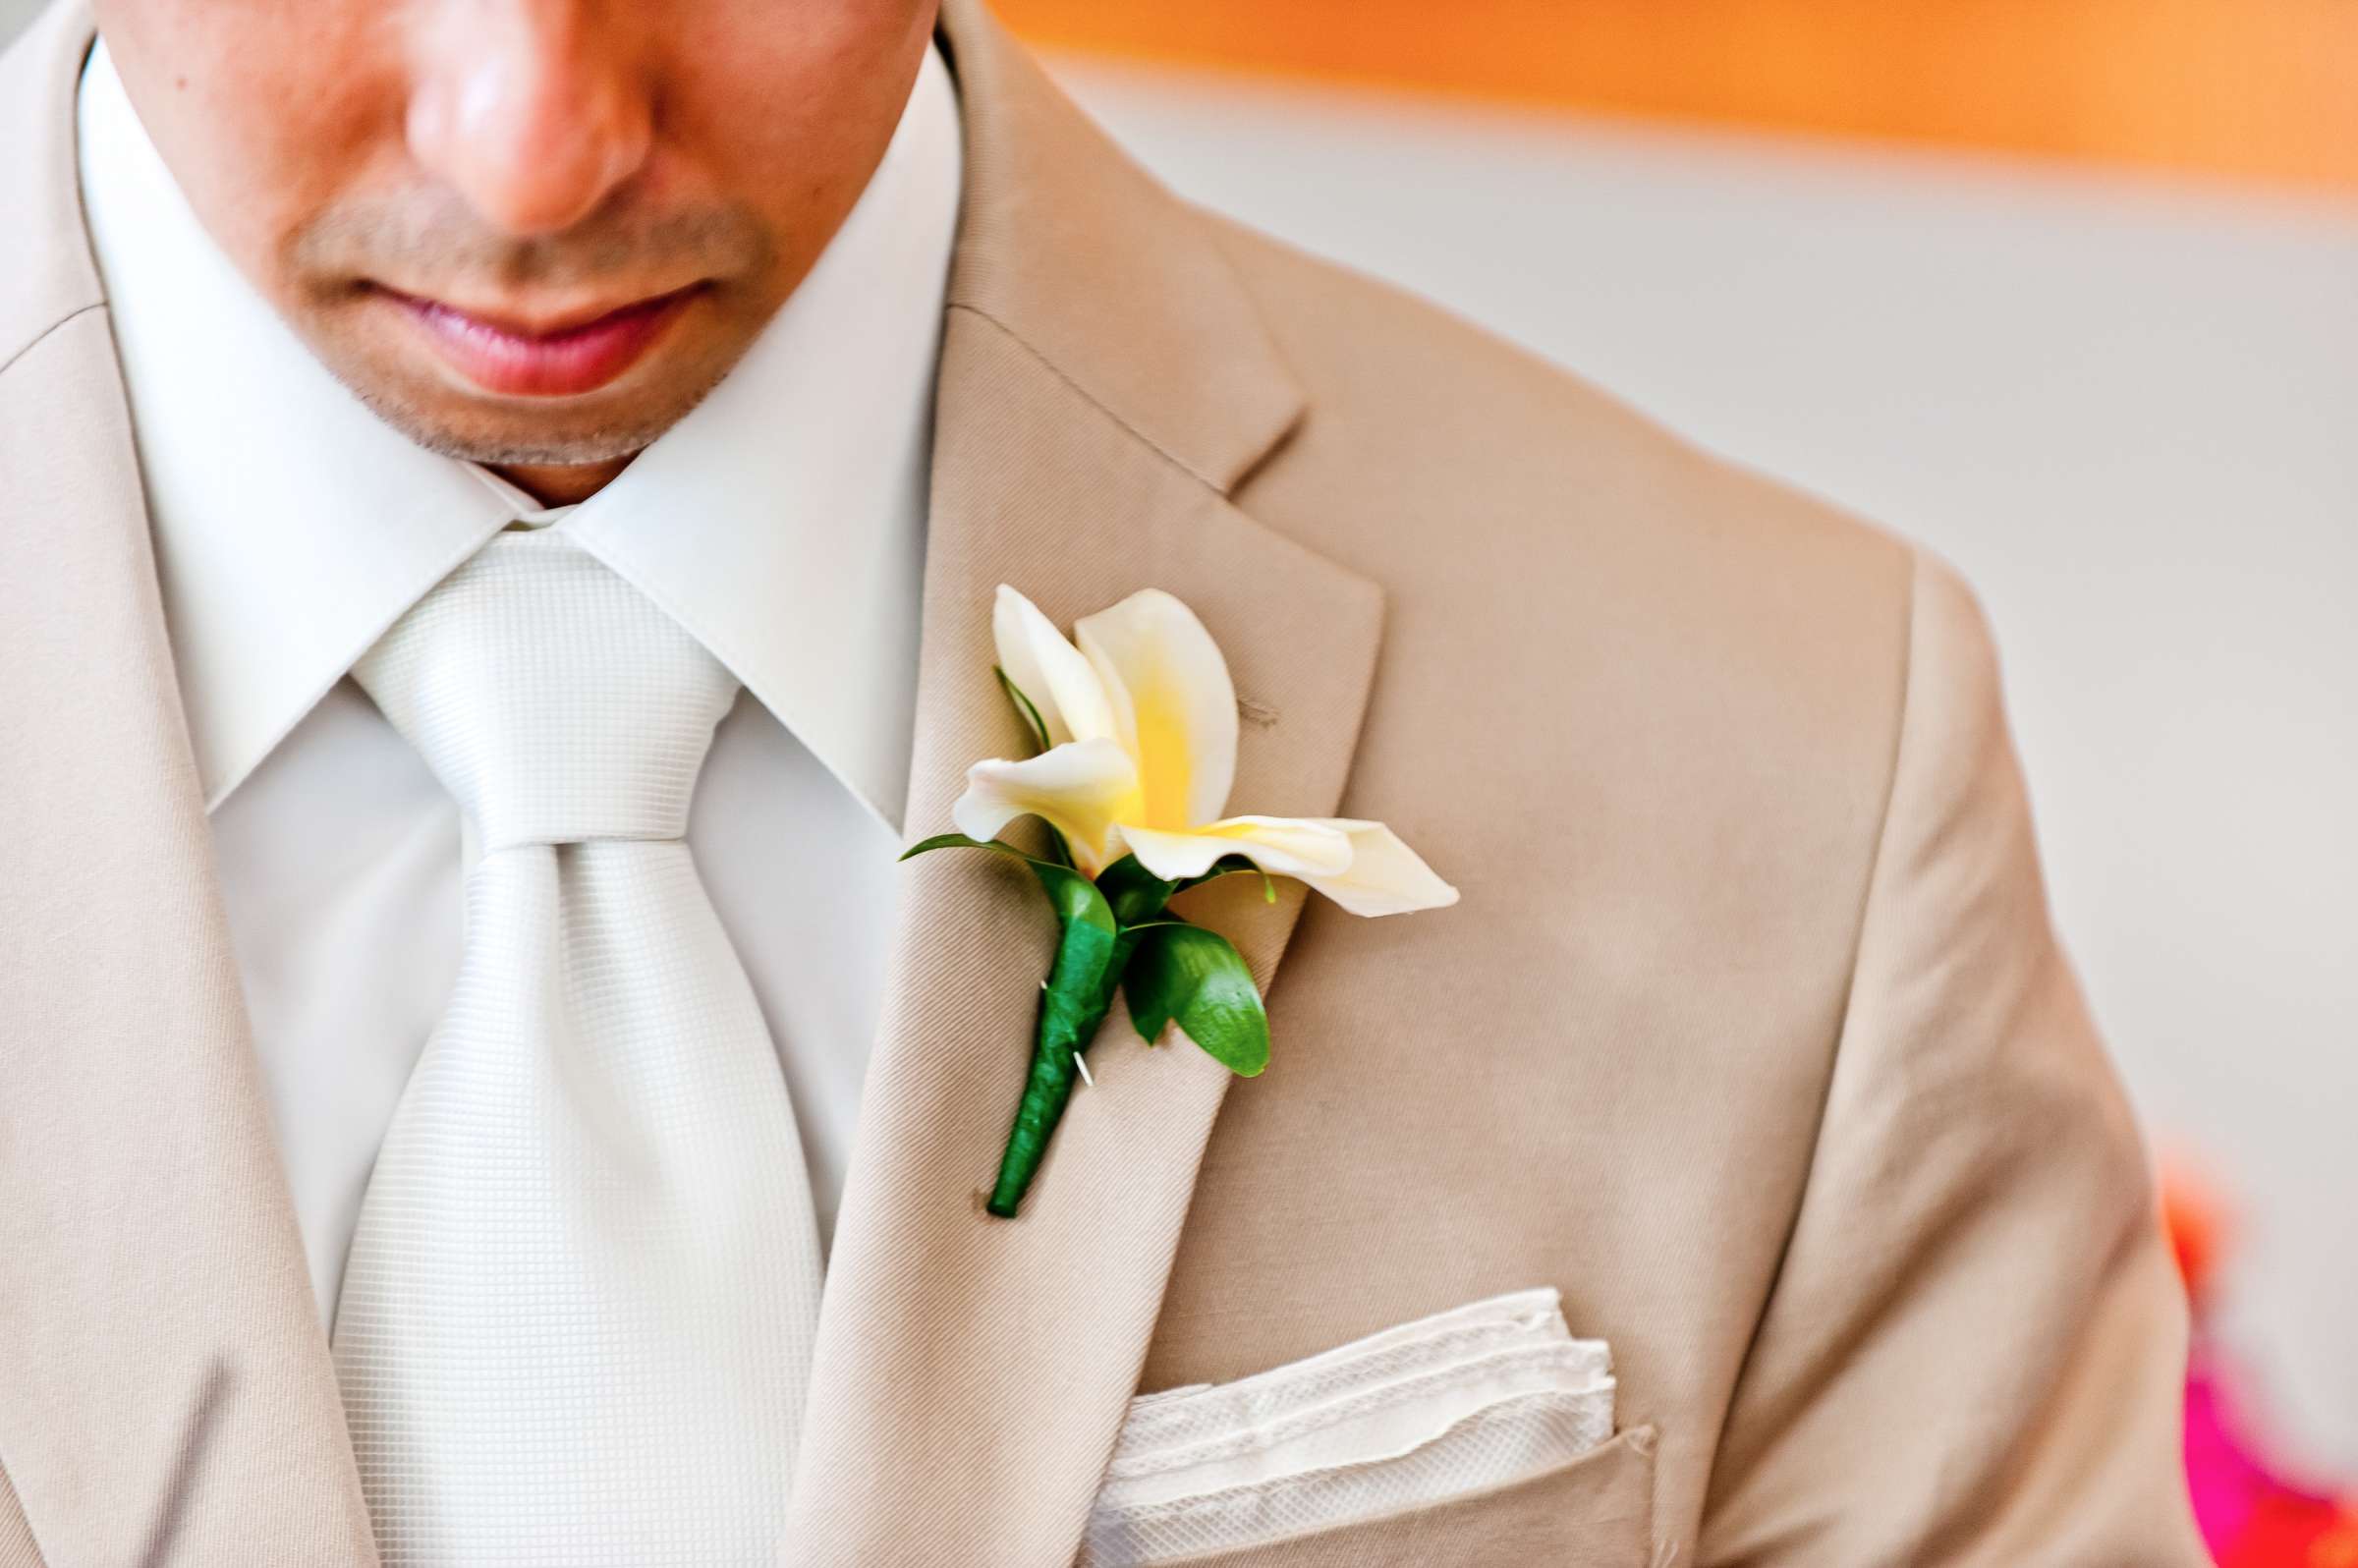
1466	1401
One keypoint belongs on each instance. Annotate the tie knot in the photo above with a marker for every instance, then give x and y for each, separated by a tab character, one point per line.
553	698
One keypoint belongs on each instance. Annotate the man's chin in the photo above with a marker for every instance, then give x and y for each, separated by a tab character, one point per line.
511	433
509	446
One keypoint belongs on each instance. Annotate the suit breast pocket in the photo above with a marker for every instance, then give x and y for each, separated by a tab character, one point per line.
1482	1436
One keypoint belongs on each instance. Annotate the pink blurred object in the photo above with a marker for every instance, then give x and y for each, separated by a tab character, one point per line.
2250	1515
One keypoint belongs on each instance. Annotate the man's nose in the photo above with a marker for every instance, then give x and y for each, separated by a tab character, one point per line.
532	110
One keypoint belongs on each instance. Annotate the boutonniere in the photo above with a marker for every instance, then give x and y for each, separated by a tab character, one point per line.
1135	731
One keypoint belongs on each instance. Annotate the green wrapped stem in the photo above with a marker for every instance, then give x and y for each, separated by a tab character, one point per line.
1098	939
1072	1007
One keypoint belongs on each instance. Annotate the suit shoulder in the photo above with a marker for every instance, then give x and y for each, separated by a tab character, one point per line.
1424	399
1470	476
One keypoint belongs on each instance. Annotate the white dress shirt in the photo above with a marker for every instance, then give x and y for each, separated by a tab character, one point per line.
782	522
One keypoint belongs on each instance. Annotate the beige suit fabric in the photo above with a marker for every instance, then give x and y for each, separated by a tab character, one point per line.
1750	1033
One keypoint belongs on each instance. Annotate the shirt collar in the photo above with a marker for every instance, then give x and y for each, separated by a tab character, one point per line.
782	522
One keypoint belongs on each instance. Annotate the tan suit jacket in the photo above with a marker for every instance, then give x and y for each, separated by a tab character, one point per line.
1750	1033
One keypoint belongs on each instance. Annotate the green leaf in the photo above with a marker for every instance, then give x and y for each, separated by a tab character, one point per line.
1136	893
1233	866
1194	977
1023	705
959	841
1077	899
1074	895
1063	858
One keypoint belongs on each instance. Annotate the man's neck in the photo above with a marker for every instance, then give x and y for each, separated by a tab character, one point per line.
562	484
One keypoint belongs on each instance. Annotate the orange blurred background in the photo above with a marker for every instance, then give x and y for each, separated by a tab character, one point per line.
2258	89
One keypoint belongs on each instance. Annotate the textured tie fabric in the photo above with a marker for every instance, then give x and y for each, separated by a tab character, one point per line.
574	1326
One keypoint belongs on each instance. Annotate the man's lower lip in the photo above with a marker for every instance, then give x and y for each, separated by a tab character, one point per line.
557	365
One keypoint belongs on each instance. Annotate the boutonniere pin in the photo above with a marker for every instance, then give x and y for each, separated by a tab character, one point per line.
1136	734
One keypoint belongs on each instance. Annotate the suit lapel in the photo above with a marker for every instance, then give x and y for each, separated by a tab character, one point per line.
1103	383
166	1395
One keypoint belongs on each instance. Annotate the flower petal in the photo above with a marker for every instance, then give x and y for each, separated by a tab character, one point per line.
1283	845
1174	706
1385	877
1081	789
1049	670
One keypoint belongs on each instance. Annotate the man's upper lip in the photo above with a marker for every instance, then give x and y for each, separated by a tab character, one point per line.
542	322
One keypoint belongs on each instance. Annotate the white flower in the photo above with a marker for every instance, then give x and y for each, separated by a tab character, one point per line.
1142	730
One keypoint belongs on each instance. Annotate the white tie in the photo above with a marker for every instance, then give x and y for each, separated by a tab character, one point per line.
576	1322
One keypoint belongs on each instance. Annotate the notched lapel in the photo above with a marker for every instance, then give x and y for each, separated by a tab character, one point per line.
972	1372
